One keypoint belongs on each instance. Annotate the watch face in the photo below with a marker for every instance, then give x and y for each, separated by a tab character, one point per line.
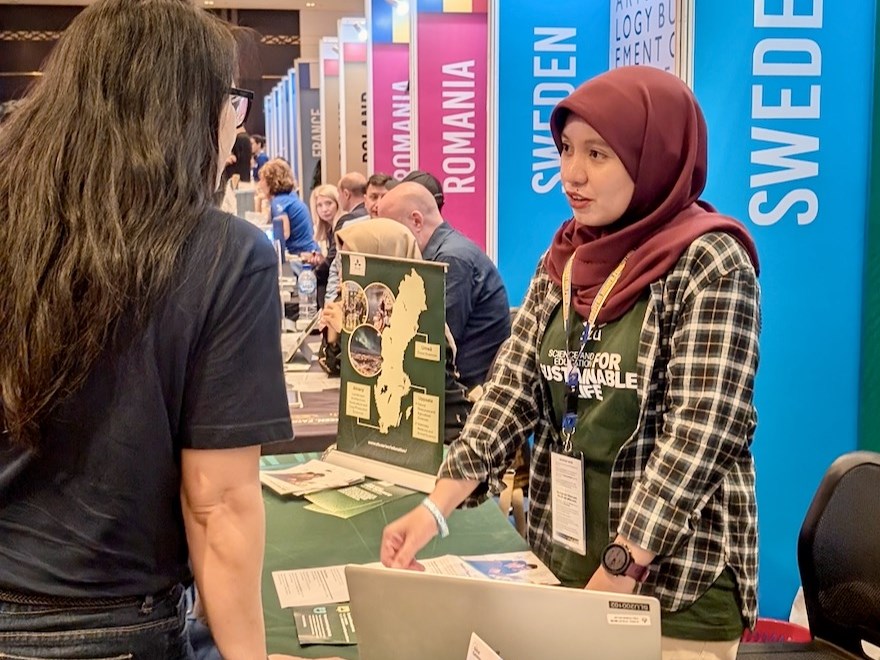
615	559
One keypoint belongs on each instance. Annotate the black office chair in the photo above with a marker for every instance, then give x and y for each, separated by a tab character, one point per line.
839	562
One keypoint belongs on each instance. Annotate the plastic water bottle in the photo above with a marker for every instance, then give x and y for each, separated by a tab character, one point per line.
307	286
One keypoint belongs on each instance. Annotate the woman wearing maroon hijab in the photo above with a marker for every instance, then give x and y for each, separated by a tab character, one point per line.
632	361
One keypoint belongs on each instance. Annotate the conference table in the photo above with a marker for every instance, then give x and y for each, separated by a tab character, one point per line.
313	414
297	538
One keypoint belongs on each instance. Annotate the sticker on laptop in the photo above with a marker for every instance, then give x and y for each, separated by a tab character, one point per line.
629	619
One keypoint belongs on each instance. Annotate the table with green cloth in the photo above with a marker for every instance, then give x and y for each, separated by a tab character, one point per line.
297	538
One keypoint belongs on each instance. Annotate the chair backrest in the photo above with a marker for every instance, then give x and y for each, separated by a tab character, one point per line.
839	553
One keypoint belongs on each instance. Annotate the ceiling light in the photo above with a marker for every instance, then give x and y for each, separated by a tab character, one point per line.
310	4
402	7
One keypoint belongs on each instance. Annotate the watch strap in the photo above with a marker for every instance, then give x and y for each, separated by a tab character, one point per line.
636	571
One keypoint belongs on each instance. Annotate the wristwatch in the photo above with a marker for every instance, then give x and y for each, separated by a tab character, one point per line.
618	560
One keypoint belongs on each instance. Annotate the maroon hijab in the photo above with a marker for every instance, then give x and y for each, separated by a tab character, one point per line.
652	121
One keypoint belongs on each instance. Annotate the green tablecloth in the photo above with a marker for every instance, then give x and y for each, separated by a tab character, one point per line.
296	538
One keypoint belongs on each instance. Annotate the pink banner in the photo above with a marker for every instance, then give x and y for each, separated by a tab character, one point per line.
392	152
451	123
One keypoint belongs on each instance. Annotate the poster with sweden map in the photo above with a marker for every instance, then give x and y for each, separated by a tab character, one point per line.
393	360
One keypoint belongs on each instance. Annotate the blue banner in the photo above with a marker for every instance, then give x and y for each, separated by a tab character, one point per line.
283	120
541	57
786	98
270	128
309	121
292	139
276	121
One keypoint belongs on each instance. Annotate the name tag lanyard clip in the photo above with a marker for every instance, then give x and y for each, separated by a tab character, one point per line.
572	380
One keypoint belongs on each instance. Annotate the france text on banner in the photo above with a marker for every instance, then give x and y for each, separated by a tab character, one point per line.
309	123
329	89
390	147
452	67
779	89
540	60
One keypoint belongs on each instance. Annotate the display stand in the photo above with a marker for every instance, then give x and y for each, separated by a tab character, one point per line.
419	481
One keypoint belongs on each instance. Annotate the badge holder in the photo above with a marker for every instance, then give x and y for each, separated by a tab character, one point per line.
567	494
567	480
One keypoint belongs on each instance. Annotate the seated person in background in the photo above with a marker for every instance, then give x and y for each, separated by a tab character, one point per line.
378	186
384	237
477	310
352	188
430	182
260	157
276	181
325	209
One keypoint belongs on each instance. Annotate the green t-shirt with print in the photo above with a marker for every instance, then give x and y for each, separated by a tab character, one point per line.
608	413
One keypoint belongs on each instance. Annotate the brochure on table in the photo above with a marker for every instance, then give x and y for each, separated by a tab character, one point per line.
309	477
391	409
353	500
329	624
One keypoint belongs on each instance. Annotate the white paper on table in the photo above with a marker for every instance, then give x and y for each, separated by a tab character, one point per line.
449	565
296	366
309	382
479	650
311	586
511	566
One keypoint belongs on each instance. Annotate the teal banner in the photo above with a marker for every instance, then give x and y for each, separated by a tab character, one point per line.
540	57
785	87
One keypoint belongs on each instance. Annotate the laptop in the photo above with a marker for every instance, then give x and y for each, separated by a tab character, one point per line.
402	615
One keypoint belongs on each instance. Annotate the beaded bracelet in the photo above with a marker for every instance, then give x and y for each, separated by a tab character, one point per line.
442	527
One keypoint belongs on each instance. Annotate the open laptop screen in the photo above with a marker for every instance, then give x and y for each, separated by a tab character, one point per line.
406	614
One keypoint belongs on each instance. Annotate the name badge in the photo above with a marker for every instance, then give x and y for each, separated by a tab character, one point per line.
567	502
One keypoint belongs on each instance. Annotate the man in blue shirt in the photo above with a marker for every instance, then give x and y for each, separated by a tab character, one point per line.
260	157
477	309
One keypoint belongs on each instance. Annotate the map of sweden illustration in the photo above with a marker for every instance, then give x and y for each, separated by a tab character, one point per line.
393	383
393	371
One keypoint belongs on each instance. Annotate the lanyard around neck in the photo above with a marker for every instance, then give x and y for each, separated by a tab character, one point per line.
569	417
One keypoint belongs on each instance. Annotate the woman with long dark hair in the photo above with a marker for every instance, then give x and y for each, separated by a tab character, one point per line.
140	362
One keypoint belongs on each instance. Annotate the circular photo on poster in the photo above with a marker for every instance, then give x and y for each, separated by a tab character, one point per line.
365	350
354	306
380	302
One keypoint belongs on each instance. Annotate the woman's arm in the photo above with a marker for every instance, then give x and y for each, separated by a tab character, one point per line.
225	528
498	423
709	420
403	538
285	223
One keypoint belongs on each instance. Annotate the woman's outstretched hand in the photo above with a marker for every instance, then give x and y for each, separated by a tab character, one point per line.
404	537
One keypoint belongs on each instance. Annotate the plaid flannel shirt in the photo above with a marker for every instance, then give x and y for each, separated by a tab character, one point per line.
683	485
